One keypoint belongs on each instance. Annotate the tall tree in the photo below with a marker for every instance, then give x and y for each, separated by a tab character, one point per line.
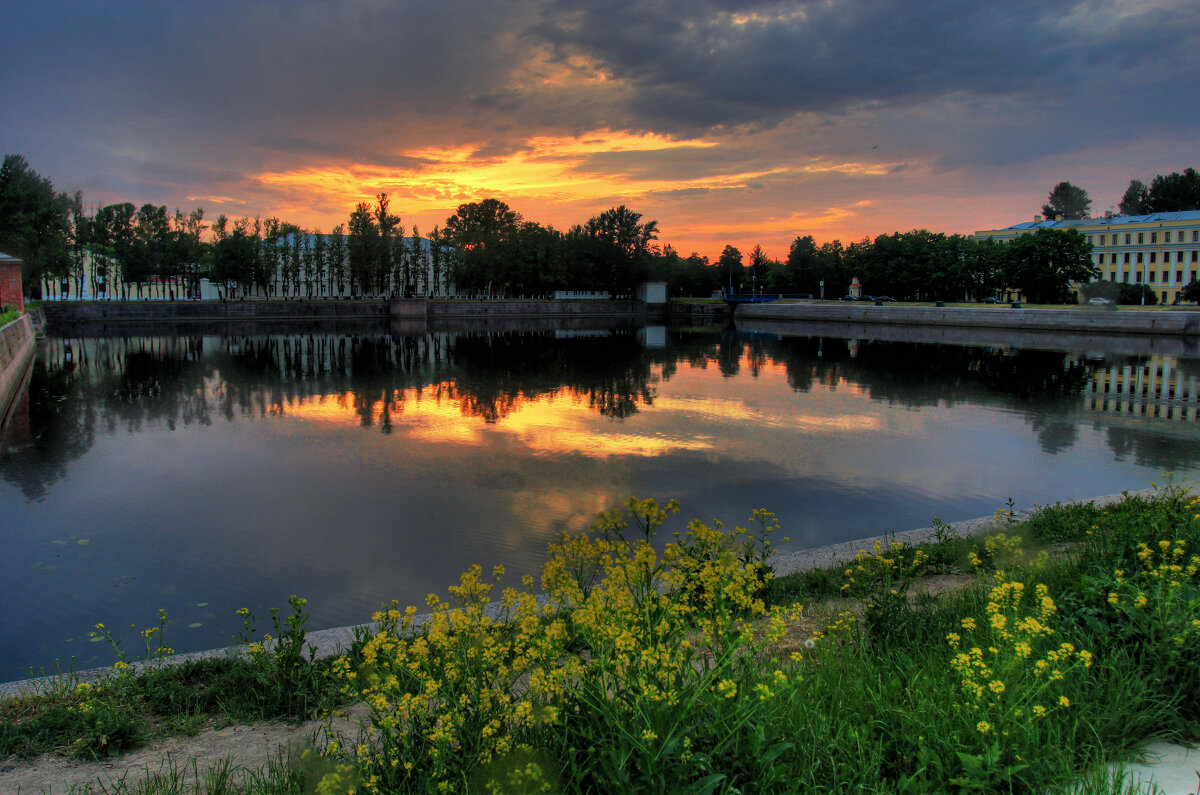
112	246
35	222
1136	200
622	246
361	247
437	259
480	231
759	262
730	264
1067	200
1043	264
389	229
1175	192
802	266
335	244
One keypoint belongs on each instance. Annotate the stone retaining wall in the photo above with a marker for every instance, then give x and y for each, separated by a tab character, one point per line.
1108	343
60	312
437	309
16	353
1084	320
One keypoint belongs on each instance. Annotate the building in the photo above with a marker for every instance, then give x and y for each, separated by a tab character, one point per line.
1160	250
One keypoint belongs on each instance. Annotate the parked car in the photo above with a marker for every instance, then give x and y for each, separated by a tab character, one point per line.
884	298
990	300
1099	302
867	298
849	298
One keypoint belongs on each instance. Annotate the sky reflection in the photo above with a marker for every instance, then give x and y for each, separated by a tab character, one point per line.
209	473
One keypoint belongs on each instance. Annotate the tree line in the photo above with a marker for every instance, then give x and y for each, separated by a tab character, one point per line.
486	248
919	266
1166	193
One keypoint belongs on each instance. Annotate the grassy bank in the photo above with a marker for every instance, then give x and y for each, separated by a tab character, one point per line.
647	660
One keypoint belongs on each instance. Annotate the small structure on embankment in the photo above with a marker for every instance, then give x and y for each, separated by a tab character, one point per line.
16	337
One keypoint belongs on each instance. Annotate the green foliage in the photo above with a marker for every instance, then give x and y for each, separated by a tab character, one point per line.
1174	192
35	222
652	665
1136	295
1191	292
880	580
1068	201
137	700
1043	264
620	248
1136	200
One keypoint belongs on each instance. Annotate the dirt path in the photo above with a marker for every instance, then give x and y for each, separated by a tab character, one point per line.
245	746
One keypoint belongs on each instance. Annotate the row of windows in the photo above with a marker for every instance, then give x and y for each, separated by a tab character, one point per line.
1180	236
1151	276
1112	258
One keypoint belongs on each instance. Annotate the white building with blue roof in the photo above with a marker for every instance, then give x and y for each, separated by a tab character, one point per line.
1160	250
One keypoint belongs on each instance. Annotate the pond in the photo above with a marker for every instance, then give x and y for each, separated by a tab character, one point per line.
203	472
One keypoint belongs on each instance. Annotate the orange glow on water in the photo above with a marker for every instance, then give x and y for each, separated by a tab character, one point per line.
566	421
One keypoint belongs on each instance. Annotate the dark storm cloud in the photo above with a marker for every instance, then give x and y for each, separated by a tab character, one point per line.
710	63
886	103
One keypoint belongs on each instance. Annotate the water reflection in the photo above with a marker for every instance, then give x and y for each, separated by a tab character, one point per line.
233	470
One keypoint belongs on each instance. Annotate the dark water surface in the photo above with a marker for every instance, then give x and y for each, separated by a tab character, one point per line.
201	473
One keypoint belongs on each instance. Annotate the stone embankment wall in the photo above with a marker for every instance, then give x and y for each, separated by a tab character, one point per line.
59	312
1184	323
404	307
16	353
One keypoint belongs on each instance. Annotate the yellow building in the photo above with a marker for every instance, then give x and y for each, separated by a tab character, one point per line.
1160	250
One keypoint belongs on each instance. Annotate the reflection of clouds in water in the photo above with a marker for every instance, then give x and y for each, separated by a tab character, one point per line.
560	423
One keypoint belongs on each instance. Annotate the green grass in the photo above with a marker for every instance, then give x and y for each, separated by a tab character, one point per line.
7	316
875	701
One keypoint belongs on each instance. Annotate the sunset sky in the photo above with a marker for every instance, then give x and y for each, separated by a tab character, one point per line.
727	122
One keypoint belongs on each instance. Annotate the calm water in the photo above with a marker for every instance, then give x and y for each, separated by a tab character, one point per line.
203	473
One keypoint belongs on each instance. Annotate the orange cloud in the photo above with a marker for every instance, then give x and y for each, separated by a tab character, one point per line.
543	168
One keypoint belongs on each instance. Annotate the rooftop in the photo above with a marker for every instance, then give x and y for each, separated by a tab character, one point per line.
1116	220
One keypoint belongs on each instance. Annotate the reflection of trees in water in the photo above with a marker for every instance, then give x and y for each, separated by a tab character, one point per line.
496	373
1164	452
1046	386
112	384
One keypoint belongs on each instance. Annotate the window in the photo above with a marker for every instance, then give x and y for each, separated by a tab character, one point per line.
1125	277
1102	240
1164	300
1154	256
1127	238
1139	258
1112	277
1153	237
1141	238
1152	275
1194	253
1127	257
1137	277
1193	276
1179	277
1196	235
1167	236
1179	256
